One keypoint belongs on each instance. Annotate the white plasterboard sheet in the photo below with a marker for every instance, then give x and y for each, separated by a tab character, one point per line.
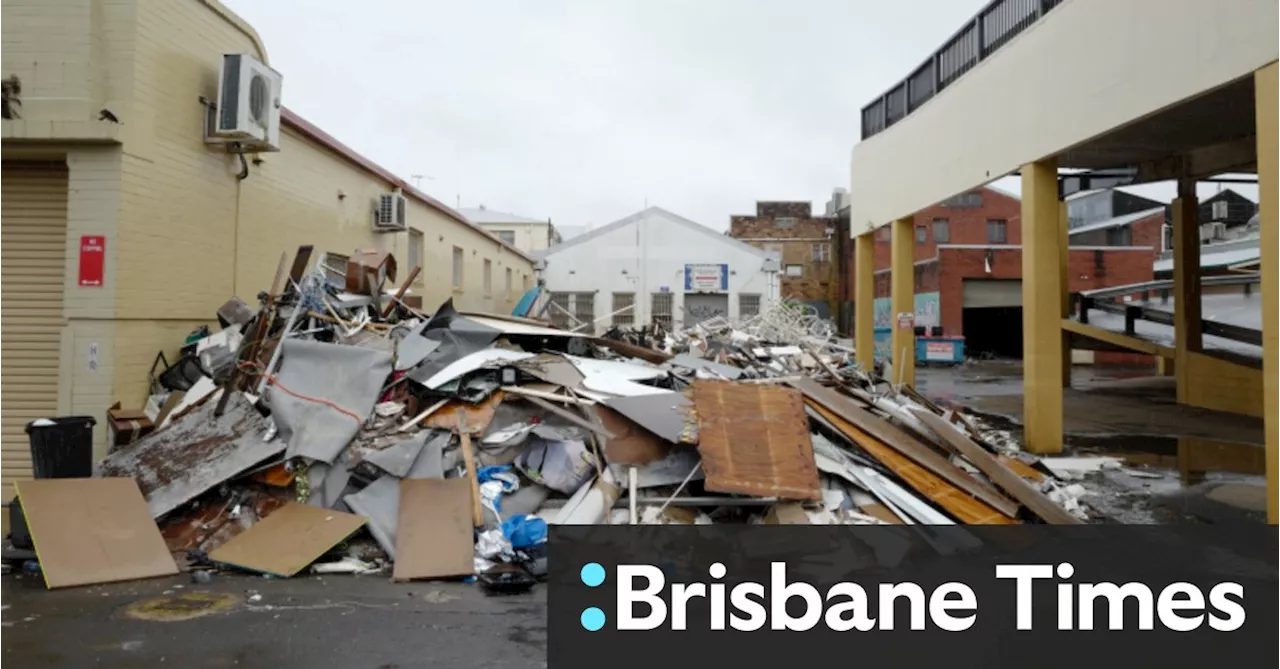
472	362
519	328
616	370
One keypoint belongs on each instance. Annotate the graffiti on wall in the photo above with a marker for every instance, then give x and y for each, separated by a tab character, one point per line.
928	314
928	310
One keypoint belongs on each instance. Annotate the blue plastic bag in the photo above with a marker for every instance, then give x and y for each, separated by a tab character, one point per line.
524	531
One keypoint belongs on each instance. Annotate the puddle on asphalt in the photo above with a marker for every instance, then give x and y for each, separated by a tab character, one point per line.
1191	457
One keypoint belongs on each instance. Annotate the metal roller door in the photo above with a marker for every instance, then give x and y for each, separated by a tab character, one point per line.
984	293
33	220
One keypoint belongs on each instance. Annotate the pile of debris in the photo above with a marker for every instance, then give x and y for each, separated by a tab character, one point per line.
340	429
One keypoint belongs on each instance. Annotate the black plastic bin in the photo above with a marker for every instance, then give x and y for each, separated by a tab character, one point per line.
63	448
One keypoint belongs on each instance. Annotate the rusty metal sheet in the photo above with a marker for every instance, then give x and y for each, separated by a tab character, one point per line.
178	463
754	440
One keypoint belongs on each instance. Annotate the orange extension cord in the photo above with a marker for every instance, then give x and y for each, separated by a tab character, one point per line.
276	382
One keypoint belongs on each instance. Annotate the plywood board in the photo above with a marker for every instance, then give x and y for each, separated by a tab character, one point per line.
1006	478
288	540
478	416
93	531
434	536
937	489
754	440
631	444
889	435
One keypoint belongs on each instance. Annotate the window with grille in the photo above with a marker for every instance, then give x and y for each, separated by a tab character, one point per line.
748	305
415	250
660	309
488	277
584	309
795	270
559	310
457	268
785	222
624	301
821	252
964	201
997	232
1220	210
922	234
941	230
508	236
335	268
1120	235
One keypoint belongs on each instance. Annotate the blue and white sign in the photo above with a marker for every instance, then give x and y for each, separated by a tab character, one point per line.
706	278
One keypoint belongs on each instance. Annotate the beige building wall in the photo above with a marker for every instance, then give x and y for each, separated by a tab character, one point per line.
183	233
529	237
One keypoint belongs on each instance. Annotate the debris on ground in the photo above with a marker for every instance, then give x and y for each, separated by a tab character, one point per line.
339	430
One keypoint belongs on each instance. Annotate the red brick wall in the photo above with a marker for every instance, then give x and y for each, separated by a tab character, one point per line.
1086	270
968	226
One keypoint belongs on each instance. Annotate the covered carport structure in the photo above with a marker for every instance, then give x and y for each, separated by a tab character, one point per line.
1076	94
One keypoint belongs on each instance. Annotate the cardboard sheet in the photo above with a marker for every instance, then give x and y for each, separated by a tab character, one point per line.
434	535
631	444
93	531
288	540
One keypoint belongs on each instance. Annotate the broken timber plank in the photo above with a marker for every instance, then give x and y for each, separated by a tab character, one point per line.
967	509
890	436
1004	477
473	474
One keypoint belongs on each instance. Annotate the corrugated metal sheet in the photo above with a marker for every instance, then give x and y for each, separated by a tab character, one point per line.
34	216
754	440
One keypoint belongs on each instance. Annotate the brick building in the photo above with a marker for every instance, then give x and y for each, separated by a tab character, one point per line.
968	271
803	245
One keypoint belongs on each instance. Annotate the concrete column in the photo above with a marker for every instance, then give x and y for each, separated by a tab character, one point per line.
1043	253
1063	255
903	292
1188	337
864	317
1265	96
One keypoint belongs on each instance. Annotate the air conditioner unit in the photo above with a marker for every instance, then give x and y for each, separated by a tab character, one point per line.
248	103
391	213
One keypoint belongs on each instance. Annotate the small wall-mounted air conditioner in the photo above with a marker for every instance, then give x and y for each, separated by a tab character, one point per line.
248	110
391	213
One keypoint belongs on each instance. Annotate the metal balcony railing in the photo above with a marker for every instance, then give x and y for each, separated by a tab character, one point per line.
992	28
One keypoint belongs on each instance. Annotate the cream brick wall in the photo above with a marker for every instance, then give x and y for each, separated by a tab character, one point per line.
183	233
73	58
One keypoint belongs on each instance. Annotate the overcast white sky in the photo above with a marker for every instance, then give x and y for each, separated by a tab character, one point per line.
584	110
581	110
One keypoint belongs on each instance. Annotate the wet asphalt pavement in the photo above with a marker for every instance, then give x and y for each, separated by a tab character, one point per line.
248	622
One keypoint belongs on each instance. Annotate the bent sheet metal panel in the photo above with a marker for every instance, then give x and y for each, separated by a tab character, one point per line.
754	440
196	453
959	504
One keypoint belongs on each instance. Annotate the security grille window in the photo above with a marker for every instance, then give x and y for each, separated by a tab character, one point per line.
922	234
795	270
997	232
941	231
457	268
335	268
584	308
748	305
559	310
660	308
624	319
1220	210
821	252
785	223
415	249
508	236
